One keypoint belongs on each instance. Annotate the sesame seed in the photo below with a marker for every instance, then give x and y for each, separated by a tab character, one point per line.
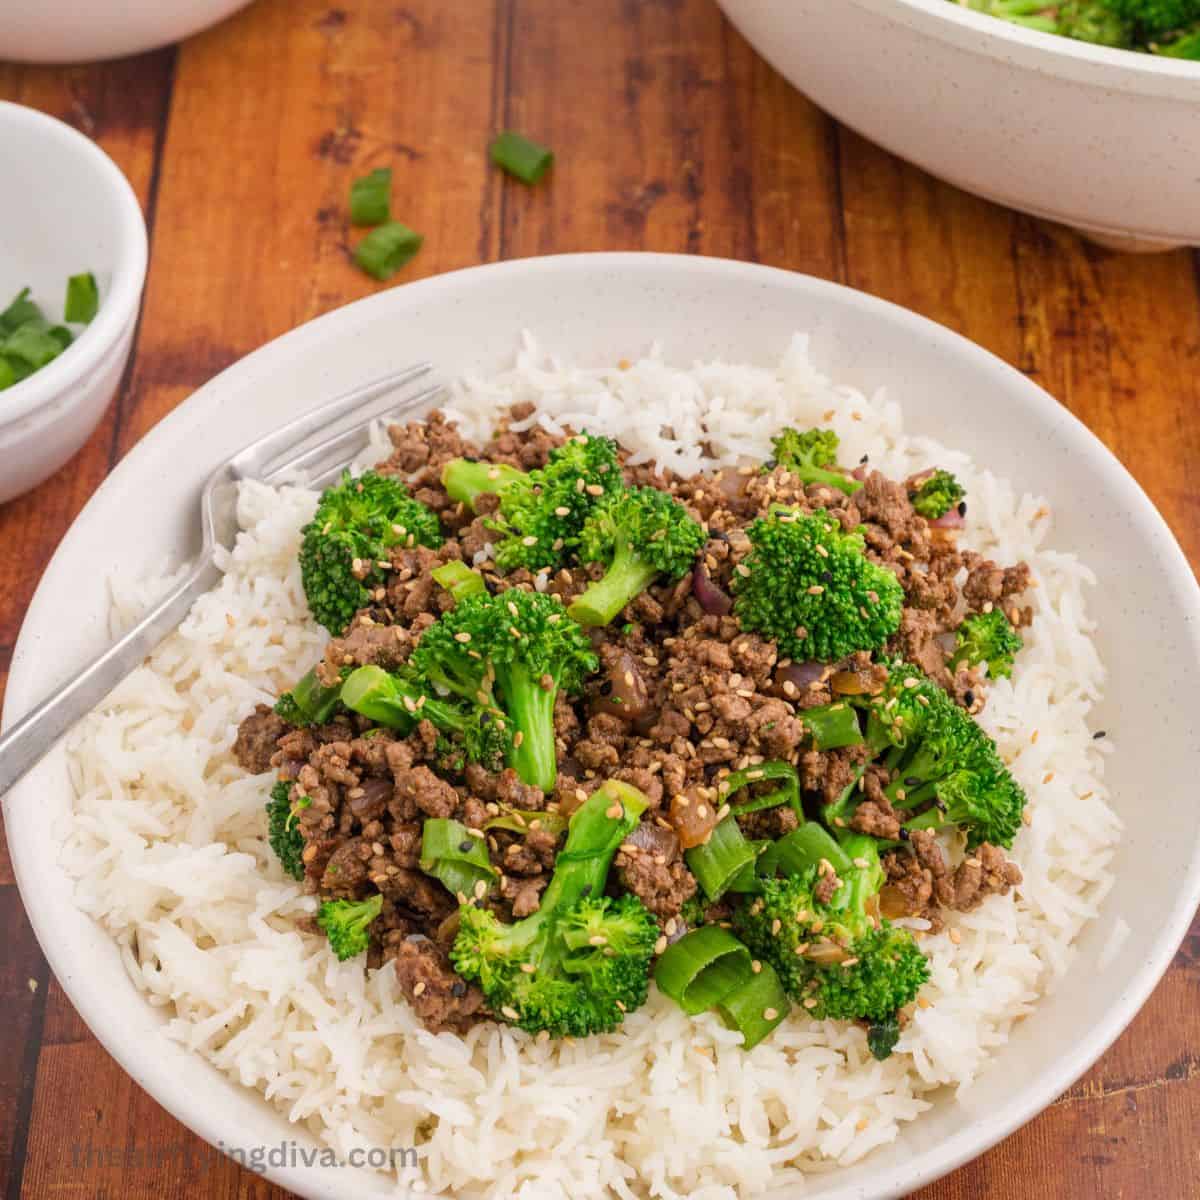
822	552
518	738
661	944
756	966
702	811
529	541
776	926
594	489
742	570
769	1014
1049	775
1033	737
463	637
614	811
861	863
562	511
597	939
480	889
922	1002
956	937
620	1006
815	590
1026	817
419	989
850	962
509	1012
810	1003
543	1036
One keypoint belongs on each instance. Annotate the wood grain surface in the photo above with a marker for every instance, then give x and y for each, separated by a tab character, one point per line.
672	136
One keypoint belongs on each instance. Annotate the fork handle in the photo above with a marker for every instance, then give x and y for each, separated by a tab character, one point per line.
31	738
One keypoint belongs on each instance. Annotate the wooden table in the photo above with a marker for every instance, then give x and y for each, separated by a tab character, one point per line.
671	136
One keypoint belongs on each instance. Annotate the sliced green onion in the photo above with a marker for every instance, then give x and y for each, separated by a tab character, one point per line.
83	298
316	702
721	859
371	197
521	158
756	1006
20	311
459	580
386	249
388	699
61	334
521	820
456	858
702	968
803	848
34	343
768	771
748	881
833	726
7	375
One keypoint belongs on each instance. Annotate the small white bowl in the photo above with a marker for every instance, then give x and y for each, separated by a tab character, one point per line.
74	211
1104	140
65	31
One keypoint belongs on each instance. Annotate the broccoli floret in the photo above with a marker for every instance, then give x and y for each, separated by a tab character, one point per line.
809	454
838	959
541	512
512	653
310	702
282	831
1151	18
356	523
1094	21
937	756
810	587
639	534
477	732
937	495
580	963
346	923
987	638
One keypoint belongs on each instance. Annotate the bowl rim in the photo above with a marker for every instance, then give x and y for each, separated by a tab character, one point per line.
1032	1096
86	353
1052	45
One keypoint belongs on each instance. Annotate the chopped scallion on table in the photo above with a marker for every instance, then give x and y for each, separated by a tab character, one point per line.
371	197
521	158
386	249
83	298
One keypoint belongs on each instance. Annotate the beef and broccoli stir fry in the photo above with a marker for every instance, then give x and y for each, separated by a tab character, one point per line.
579	725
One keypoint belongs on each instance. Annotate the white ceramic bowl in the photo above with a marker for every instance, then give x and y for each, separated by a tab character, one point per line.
1105	140
67	31
597	309
73	211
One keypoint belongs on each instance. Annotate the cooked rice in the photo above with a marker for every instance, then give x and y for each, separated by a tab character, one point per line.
168	848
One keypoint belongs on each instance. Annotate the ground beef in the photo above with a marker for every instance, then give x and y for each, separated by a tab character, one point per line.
257	738
648	865
683	697
439	996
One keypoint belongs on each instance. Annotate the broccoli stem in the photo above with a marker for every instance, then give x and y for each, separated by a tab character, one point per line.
922	766
627	577
465	480
530	706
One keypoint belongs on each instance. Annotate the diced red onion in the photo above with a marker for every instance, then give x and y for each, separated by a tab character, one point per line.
951	519
710	597
801	674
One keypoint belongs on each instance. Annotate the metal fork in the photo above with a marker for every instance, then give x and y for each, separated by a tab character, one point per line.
289	451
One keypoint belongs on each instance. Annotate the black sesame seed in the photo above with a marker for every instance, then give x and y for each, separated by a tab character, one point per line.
904	834
606	687
827	576
912	781
962	508
458	989
468	458
465	847
864	460
969	697
1099	734
585	891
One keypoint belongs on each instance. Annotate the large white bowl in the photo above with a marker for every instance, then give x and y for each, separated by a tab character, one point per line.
72	211
598	309
68	31
1105	140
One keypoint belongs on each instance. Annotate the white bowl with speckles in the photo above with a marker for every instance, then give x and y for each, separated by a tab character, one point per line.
1105	140
597	309
72	31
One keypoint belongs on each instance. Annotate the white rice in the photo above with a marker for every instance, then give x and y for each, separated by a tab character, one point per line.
169	852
